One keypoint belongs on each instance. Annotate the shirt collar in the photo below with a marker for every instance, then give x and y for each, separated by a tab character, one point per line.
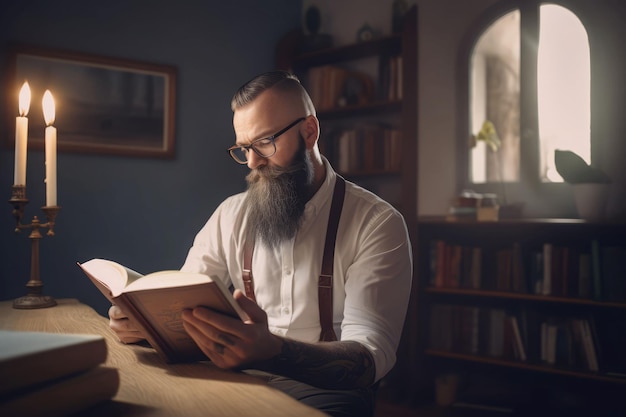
324	194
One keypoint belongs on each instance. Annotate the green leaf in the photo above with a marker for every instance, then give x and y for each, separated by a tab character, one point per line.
575	170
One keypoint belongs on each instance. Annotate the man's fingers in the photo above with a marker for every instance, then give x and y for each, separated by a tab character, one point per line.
256	313
129	338
116	313
225	339
123	327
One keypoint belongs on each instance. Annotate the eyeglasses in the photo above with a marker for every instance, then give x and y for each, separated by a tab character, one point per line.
264	147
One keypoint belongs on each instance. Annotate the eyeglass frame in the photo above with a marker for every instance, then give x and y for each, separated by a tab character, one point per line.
271	138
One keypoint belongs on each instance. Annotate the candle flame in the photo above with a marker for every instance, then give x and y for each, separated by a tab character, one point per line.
24	101
48	108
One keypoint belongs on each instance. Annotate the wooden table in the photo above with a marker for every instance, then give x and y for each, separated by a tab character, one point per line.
149	386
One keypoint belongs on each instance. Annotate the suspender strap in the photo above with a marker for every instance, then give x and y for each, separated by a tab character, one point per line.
248	279
325	282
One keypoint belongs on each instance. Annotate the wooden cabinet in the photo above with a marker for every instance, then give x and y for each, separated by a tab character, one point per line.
522	308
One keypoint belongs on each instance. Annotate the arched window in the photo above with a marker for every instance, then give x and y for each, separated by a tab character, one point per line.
528	93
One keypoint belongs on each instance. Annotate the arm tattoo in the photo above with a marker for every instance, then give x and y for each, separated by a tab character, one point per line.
333	365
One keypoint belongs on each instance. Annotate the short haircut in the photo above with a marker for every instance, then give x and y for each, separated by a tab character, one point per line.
282	80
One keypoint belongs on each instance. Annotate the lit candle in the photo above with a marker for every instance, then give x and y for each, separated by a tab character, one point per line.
51	149
21	136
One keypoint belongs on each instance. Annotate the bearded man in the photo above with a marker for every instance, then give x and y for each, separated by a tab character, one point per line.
322	266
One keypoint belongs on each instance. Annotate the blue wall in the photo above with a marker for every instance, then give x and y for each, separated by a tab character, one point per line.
143	213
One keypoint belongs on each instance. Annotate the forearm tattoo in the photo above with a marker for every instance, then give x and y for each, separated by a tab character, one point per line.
333	365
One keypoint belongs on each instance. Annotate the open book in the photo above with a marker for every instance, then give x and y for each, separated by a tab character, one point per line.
154	303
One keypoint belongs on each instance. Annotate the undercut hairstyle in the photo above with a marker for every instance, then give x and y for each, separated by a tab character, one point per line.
283	81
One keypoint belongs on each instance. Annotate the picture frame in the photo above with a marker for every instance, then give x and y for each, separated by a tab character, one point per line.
103	105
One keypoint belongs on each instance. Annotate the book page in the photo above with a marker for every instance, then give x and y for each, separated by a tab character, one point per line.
167	279
113	275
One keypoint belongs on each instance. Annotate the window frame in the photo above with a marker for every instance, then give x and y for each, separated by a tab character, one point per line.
540	198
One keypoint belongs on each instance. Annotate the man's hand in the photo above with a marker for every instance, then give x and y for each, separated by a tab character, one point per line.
121	325
233	344
228	342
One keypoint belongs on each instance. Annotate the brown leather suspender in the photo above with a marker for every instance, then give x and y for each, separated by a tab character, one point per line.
248	280
325	282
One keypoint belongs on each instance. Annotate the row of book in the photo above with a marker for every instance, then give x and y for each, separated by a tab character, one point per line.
475	331
332	87
568	342
597	272
366	148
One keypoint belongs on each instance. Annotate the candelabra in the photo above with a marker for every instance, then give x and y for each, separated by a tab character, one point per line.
34	298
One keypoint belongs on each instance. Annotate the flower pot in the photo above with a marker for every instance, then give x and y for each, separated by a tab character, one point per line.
591	200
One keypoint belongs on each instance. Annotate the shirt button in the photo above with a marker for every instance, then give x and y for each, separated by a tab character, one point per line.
286	310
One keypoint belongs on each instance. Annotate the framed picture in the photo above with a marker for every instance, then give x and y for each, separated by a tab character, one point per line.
103	105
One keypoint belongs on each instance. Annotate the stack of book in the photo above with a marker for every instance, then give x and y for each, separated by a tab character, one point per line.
51	374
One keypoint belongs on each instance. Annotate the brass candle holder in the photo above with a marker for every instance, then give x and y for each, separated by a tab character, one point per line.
34	298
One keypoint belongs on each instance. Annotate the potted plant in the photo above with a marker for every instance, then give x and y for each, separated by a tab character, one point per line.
591	184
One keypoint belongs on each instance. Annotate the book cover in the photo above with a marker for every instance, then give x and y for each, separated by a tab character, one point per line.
518	272
476	269
613	272
547	269
518	342
63	396
584	275
155	303
503	269
440	274
596	271
29	358
454	275
589	346
535	285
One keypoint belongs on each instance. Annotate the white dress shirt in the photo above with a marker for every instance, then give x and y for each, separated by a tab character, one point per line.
371	278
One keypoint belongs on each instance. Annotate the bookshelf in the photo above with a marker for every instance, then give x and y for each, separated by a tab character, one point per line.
365	94
528	304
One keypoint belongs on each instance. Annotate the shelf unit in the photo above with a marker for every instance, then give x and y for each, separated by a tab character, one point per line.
396	184
486	307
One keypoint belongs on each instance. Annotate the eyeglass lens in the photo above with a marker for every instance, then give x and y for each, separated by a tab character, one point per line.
263	147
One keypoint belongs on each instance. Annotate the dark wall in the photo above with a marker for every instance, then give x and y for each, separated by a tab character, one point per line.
140	212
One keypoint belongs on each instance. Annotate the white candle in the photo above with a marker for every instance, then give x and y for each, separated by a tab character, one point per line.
21	136
51	149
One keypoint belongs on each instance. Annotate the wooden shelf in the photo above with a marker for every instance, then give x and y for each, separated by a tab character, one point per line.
527	366
391	45
463	292
387	107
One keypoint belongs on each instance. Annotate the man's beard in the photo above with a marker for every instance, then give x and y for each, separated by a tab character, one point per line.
276	199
